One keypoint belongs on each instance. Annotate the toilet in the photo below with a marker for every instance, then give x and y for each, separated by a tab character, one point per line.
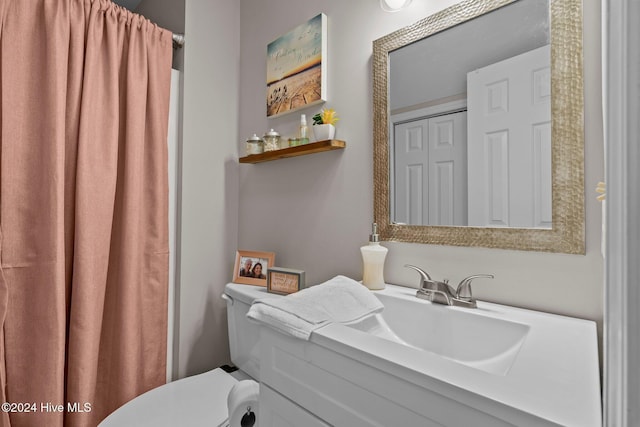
202	399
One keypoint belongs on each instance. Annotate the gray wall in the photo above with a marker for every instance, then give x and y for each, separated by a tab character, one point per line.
209	204
208	200
315	211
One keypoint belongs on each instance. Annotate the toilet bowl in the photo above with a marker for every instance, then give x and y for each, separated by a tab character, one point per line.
202	399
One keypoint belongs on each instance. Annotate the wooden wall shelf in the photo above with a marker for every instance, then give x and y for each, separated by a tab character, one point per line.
300	150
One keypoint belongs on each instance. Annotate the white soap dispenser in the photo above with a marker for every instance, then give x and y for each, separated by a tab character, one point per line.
373	256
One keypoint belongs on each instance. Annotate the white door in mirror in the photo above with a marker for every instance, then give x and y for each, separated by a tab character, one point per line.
430	171
509	144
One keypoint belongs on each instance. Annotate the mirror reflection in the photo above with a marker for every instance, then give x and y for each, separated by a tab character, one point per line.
470	123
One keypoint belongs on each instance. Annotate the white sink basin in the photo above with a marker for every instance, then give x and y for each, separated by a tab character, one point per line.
468	336
501	365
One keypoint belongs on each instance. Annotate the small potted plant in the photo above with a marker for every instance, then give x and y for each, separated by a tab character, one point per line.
324	124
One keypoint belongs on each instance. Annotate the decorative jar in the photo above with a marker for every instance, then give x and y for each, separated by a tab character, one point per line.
255	145
271	140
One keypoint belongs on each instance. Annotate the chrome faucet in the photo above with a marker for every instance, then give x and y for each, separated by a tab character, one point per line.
443	293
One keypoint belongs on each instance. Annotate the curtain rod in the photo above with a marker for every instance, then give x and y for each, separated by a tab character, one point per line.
178	40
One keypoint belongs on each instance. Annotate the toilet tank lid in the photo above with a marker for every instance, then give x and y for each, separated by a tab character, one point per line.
247	293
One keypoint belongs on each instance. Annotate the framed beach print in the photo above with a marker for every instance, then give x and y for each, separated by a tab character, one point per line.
297	68
251	268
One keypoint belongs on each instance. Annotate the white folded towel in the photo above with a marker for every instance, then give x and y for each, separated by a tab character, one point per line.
339	300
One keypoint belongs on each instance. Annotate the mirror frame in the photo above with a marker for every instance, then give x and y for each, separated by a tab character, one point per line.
567	233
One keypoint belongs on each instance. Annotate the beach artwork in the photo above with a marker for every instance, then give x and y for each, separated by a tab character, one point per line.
296	67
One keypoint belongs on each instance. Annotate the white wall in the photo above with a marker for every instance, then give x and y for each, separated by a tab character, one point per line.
315	211
209	203
621	385
173	145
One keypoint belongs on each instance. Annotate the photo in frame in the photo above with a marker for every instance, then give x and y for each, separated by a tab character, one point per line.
251	267
297	68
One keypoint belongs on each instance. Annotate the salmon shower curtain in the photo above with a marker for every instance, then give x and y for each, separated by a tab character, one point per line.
84	93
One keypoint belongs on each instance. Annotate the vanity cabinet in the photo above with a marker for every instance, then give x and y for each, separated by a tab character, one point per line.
278	411
341	391
345	393
325	382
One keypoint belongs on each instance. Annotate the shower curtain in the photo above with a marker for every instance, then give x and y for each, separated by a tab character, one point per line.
84	94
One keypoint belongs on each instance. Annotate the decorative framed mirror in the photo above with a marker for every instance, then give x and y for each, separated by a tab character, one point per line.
478	127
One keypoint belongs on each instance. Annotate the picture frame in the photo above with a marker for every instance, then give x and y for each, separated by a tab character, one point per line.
246	268
297	68
284	281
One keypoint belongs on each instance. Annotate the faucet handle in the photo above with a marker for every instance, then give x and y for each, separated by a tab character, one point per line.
464	288
424	274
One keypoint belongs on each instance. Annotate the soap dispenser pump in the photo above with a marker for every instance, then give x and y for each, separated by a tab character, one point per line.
373	256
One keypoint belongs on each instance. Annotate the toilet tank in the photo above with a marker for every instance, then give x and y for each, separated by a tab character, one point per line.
244	335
